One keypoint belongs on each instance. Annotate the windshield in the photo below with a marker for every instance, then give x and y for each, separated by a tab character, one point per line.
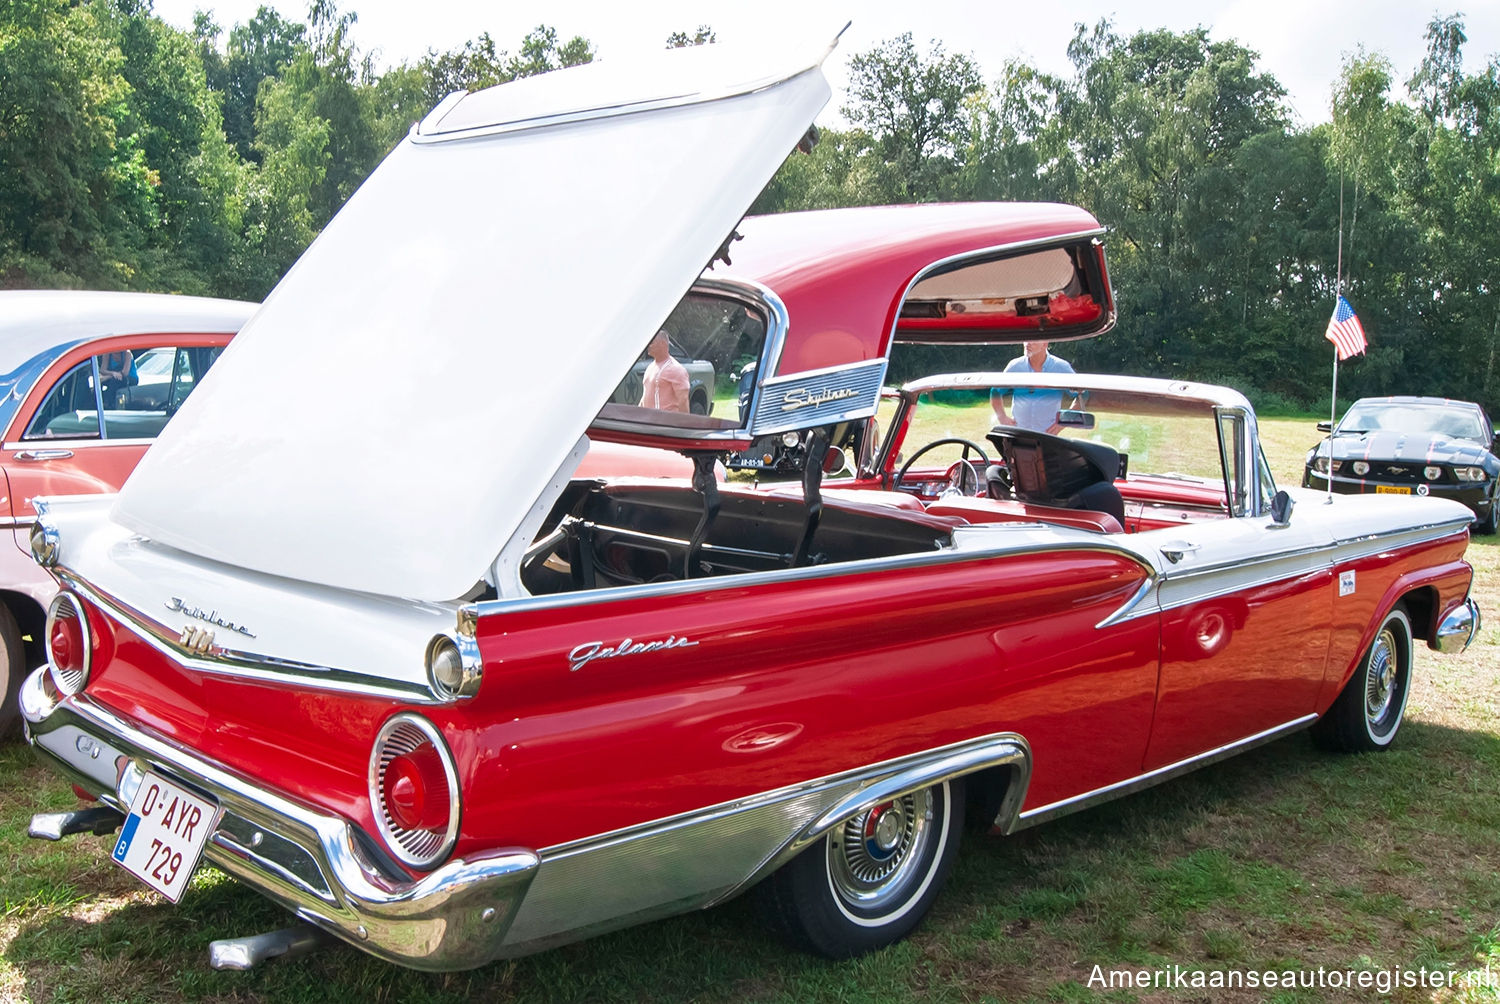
1414	419
1170	439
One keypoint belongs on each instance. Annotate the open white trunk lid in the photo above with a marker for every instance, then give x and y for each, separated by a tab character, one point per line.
389	417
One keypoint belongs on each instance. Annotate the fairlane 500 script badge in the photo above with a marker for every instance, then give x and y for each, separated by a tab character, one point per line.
582	655
803	397
177	604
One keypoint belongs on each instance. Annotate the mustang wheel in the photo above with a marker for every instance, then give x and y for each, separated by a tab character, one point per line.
1491	522
869	882
12	670
1368	712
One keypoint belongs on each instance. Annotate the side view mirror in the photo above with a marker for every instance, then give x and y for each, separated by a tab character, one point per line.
1281	508
1325	426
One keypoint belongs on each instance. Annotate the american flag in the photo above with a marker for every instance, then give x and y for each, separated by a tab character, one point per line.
1345	331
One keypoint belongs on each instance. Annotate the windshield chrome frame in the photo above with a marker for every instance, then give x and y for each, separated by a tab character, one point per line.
752	295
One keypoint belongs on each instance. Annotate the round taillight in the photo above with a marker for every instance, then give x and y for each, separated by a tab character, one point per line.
67	643
414	790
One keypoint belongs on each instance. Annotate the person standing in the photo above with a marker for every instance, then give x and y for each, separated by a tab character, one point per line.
1033	408
665	383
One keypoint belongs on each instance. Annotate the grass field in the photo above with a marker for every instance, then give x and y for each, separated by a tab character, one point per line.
1283	859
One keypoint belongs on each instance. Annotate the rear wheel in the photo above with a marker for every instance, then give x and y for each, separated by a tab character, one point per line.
870	881
12	672
1368	712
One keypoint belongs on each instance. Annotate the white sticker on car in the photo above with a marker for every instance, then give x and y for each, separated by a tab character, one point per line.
1346	583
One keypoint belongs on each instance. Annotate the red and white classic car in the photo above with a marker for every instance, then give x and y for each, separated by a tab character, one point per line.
514	707
74	425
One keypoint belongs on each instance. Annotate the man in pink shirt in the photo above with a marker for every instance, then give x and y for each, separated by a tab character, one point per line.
665	385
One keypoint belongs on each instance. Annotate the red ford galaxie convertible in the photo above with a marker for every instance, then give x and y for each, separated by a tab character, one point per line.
514	707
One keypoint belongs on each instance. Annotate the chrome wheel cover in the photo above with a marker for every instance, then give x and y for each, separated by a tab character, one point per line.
878	856
1382	685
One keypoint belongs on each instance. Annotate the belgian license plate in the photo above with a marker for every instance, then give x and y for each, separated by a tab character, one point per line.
164	835
1392	490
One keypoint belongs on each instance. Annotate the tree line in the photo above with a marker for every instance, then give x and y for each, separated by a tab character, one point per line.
134	155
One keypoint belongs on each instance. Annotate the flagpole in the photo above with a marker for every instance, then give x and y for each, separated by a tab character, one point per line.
1338	291
1333	417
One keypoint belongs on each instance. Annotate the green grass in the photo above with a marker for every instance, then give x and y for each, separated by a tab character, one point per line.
1284	858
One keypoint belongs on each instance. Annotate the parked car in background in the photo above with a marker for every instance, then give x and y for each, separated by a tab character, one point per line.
515	707
701	378
1429	446
72	429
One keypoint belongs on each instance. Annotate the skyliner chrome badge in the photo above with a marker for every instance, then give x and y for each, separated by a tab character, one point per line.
582	655
177	604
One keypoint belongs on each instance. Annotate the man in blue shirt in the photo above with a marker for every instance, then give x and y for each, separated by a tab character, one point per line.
1034	408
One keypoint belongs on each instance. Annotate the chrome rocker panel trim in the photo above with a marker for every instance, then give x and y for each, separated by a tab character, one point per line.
1458	629
1089	799
306	860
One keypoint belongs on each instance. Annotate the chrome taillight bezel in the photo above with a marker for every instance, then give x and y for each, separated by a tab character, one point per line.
68	681
417	848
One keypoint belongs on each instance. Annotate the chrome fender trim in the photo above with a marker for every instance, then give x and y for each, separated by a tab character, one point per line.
1458	629
305	859
1003	750
705	857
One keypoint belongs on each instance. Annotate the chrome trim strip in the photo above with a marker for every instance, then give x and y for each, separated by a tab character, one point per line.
588	597
1129	610
453	918
246	665
1046	813
1337	553
16	522
92	442
433	119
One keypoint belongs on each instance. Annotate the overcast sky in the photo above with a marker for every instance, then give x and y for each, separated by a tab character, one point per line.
1301	42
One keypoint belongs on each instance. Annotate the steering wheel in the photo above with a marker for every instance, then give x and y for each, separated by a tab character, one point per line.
961	476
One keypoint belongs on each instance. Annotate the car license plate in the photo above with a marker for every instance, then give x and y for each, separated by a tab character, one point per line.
164	835
1392	490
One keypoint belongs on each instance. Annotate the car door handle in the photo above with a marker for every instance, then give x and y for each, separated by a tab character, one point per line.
1175	551
44	454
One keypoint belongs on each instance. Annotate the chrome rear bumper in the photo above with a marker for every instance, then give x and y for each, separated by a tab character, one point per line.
309	861
1458	629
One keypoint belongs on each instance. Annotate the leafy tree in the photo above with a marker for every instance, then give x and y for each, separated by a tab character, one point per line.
75	193
682	40
913	109
540	53
261	49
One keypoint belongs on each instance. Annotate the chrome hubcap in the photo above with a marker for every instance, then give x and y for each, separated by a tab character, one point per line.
1380	677
874	856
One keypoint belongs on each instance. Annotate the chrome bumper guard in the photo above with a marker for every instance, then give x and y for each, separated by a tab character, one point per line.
1458	629
307	860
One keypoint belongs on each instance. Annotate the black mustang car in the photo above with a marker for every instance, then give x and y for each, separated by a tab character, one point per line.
1412	446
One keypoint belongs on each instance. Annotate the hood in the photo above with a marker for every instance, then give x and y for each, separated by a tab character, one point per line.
1410	448
414	390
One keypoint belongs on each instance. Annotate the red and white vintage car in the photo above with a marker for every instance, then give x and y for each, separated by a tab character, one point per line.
510	707
75	425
